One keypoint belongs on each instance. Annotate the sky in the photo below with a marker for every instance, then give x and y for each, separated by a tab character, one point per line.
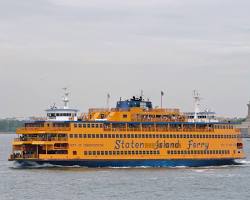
95	47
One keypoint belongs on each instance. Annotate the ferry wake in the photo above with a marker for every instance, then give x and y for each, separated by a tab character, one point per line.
133	134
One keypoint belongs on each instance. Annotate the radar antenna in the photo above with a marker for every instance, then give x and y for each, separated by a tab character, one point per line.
53	106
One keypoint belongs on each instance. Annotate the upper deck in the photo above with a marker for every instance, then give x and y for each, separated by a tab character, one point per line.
135	110
90	126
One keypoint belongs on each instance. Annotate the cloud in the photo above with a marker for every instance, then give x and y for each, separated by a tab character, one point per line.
122	47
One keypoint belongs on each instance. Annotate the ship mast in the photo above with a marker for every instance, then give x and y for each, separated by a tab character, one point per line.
197	99
65	99
108	100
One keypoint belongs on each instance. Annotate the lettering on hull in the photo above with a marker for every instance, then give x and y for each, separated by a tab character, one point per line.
121	144
197	145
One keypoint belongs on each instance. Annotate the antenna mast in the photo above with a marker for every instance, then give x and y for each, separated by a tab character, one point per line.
142	94
65	98
197	99
108	99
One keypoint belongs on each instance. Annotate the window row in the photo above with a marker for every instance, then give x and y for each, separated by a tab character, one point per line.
198	152
150	136
92	125
167	126
61	114
121	153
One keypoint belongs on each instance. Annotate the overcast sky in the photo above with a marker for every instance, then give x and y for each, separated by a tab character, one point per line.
120	47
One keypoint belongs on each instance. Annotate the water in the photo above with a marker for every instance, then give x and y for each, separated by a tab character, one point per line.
226	182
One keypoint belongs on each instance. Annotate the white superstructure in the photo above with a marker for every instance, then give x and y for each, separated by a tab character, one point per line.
62	114
198	115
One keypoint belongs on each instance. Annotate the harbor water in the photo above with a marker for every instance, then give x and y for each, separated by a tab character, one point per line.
75	183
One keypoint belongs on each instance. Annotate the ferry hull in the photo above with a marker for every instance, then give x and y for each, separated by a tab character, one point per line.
128	163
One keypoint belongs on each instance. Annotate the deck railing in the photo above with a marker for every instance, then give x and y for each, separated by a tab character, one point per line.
40	139
23	129
25	156
152	129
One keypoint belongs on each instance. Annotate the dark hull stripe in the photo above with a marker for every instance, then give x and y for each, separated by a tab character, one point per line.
130	163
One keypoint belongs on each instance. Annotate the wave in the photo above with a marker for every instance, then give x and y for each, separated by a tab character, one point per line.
243	162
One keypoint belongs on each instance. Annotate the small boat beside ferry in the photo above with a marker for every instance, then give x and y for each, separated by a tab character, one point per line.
133	134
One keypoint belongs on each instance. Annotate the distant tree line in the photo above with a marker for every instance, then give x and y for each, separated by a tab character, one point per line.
237	120
233	120
10	125
240	120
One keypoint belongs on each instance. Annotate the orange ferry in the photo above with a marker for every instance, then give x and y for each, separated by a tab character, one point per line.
133	134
